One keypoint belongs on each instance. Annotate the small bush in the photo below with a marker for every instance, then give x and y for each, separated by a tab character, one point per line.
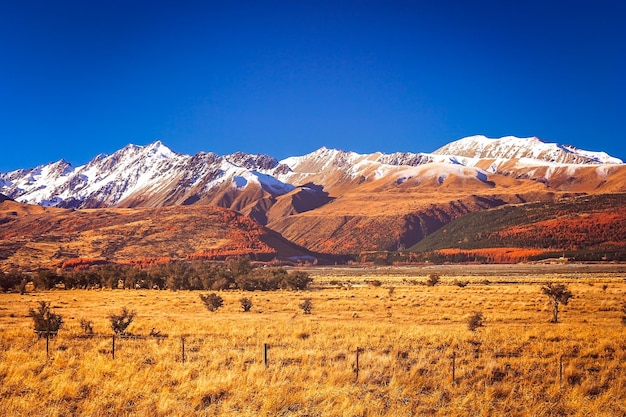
45	321
212	301
246	304
461	284
87	326
306	305
433	279
475	321
120	322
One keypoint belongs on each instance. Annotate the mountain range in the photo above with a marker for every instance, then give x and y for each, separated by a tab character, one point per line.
328	201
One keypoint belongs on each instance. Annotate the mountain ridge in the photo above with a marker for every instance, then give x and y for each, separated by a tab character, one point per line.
116	179
329	200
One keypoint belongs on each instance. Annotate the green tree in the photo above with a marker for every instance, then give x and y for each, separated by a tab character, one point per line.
45	321
11	280
558	294
212	301
46	279
240	266
120	322
298	280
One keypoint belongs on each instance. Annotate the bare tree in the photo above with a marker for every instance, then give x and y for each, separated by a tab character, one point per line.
558	294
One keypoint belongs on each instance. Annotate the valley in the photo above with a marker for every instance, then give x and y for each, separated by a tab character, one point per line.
416	352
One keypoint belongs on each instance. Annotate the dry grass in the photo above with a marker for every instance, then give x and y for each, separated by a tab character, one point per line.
407	337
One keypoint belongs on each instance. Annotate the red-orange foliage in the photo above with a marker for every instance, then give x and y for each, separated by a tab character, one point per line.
245	239
82	263
496	255
147	262
575	232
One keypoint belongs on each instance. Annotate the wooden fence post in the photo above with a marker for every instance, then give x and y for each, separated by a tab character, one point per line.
47	343
356	365
113	347
561	370
265	359
454	366
182	348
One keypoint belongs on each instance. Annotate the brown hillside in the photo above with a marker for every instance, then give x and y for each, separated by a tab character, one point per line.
388	214
35	236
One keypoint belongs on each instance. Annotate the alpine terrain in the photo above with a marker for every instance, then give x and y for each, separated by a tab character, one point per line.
326	202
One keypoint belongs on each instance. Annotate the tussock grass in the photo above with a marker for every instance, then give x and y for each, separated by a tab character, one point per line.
518	364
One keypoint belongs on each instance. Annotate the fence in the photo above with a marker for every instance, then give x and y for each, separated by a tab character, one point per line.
454	365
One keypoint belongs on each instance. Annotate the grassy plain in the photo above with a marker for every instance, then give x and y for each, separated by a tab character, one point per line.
519	364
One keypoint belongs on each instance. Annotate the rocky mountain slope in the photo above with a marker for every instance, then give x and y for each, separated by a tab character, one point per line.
588	227
34	236
330	200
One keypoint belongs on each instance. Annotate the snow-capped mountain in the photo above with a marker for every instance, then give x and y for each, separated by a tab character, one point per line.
153	175
134	173
510	147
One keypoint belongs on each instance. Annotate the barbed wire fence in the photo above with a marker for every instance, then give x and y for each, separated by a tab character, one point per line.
453	364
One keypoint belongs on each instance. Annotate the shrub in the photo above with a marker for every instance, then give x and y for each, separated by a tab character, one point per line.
433	279
475	321
212	301
86	325
46	279
13	281
306	305
246	304
120	322
21	287
45	321
298	280
461	284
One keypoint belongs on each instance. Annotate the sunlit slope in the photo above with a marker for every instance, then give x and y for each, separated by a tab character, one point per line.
39	236
582	223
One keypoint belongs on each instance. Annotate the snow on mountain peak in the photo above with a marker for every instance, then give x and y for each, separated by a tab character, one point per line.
136	174
511	147
159	150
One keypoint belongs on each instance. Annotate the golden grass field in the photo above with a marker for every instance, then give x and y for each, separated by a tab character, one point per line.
407	336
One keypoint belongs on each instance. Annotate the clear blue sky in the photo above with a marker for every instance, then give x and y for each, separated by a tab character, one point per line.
78	78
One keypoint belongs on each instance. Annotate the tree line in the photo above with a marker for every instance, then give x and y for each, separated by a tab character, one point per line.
236	273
